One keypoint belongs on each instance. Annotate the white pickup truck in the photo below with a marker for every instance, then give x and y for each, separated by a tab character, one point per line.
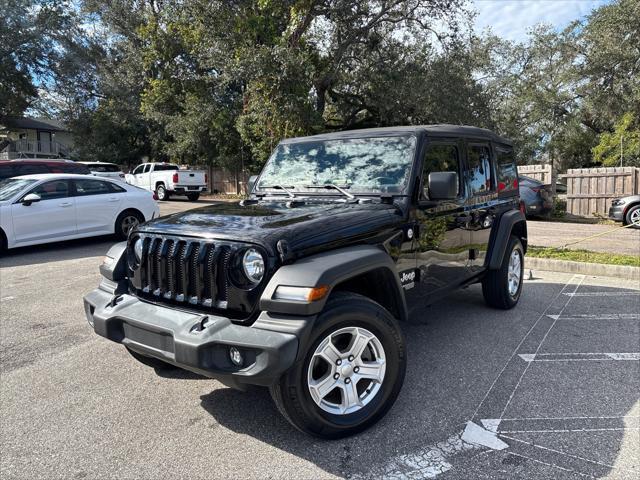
167	179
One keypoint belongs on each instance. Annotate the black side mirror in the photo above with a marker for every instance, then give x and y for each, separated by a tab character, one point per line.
251	183
31	198
443	185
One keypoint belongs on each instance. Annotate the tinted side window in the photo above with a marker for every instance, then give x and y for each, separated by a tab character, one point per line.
7	171
75	168
138	169
147	167
52	190
160	168
31	169
440	158
101	167
479	173
91	187
506	170
116	188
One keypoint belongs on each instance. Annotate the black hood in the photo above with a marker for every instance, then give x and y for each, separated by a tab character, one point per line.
305	227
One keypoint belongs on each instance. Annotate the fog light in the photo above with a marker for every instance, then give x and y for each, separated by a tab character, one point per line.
236	357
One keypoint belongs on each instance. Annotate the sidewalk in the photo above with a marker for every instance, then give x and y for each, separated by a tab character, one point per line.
557	234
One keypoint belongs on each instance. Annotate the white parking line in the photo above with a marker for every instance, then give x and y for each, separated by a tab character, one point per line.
603	316
602	294
579	357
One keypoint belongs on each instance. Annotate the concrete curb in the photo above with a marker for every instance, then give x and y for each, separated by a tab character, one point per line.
597	269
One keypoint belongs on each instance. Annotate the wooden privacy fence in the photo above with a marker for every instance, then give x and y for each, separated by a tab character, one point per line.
590	190
540	172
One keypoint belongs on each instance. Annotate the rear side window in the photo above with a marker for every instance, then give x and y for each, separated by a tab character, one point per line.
506	170
116	188
160	168
439	158
479	173
91	187
31	169
7	171
103	167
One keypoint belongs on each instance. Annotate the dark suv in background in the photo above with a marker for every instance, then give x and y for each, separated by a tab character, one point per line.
304	286
15	168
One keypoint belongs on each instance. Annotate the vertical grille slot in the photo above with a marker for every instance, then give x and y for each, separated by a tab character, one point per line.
194	273
182	281
221	277
151	265
209	274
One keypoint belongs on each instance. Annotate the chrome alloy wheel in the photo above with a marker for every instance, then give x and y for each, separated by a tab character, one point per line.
346	371
128	223
514	274
635	217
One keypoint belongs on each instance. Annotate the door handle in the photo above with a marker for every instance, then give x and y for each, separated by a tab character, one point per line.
66	204
112	199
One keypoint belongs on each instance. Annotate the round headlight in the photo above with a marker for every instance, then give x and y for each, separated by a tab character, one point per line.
137	249
253	265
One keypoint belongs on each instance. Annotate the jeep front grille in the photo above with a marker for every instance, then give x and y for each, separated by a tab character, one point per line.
189	272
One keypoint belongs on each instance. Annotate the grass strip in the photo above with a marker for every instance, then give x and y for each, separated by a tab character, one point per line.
584	256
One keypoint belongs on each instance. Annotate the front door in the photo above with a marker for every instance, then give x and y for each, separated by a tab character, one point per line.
444	237
52	218
44	141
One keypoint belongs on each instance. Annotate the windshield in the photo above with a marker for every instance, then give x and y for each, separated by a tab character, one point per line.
11	186
359	165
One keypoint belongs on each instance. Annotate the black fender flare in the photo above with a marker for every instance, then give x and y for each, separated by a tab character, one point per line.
500	239
330	269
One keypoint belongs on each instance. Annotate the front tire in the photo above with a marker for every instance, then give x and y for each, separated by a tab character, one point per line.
633	216
502	288
125	222
351	373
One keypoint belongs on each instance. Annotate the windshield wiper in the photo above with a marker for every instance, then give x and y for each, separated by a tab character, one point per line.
335	187
280	187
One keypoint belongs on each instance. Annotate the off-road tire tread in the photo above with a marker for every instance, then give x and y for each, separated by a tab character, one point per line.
493	284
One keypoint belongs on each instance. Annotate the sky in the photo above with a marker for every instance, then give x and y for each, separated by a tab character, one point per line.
511	19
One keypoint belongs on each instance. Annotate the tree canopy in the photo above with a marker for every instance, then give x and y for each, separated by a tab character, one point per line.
221	82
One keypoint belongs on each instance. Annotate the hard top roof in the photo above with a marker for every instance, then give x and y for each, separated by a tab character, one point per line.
440	130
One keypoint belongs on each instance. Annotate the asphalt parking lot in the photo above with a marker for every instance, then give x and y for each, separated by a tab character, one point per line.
547	390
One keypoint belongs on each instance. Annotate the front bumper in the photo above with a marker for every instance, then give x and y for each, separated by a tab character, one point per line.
617	213
198	342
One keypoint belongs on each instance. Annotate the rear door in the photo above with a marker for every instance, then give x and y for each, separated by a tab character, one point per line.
483	199
97	205
443	234
50	219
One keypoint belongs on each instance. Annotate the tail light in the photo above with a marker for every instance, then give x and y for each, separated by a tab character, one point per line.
155	196
522	207
536	189
175	177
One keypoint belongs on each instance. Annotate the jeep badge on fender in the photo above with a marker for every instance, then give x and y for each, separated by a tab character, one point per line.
304	286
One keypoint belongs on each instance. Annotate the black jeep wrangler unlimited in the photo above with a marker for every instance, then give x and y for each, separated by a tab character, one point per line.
303	287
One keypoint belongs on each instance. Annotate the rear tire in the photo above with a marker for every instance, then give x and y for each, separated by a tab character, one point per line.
3	243
162	193
502	288
125	222
347	321
152	362
633	216
193	197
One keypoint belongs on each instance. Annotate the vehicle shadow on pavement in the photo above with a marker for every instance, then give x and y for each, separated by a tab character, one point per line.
57	251
454	356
